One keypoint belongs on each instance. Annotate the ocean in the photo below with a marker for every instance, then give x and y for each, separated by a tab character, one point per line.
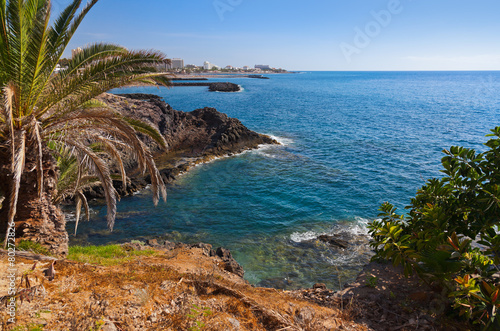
350	141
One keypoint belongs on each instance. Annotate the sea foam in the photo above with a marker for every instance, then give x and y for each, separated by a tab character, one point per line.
358	227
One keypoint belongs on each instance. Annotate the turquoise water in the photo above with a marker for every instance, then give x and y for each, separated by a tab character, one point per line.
351	140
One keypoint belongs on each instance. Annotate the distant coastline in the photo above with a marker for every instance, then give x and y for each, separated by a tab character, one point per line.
198	76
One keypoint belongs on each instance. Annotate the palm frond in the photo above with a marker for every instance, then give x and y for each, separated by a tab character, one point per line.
4	42
89	54
147	129
91	122
65	27
157	185
81	200
77	211
111	150
69	94
98	166
57	33
37	138
9	95
36	56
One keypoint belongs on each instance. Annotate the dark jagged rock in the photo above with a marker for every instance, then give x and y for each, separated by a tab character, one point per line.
224	254
141	96
224	87
334	241
214	87
191	84
258	76
277	282
230	264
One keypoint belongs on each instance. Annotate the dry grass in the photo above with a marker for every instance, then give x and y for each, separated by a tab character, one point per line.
154	292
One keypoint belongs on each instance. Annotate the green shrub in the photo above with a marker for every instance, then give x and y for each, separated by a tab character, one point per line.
435	238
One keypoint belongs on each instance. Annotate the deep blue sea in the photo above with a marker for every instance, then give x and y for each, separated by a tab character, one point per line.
350	141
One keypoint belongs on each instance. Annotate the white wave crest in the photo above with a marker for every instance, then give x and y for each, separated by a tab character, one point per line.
142	190
282	140
70	216
303	236
358	227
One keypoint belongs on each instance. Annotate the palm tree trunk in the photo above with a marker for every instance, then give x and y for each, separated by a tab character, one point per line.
37	219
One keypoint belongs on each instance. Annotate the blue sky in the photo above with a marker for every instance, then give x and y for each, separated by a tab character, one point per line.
305	35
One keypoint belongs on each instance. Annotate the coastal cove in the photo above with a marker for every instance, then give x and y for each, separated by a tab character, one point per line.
350	141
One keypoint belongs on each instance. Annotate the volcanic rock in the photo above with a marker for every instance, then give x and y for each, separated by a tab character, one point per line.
192	137
334	241
224	87
230	264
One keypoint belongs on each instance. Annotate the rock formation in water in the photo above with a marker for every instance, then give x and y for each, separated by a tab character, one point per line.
213	87
224	87
192	137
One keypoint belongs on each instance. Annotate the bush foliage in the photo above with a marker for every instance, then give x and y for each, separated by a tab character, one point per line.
450	236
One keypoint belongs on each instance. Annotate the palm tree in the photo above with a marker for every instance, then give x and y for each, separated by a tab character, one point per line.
47	114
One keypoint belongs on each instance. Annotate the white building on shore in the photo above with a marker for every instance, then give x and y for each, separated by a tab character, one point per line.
177	64
262	67
209	66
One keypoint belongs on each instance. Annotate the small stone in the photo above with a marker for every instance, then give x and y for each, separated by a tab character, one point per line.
321	286
331	324
306	314
235	323
152	242
109	326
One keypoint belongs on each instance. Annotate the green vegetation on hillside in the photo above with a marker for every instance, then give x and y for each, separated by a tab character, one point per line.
105	255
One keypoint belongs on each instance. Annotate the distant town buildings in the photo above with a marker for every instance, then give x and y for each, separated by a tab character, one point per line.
177	64
76	51
262	67
209	66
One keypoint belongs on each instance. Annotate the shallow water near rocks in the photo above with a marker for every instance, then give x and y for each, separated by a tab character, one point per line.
351	140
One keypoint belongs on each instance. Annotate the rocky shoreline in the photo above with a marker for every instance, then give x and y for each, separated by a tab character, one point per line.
192	137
